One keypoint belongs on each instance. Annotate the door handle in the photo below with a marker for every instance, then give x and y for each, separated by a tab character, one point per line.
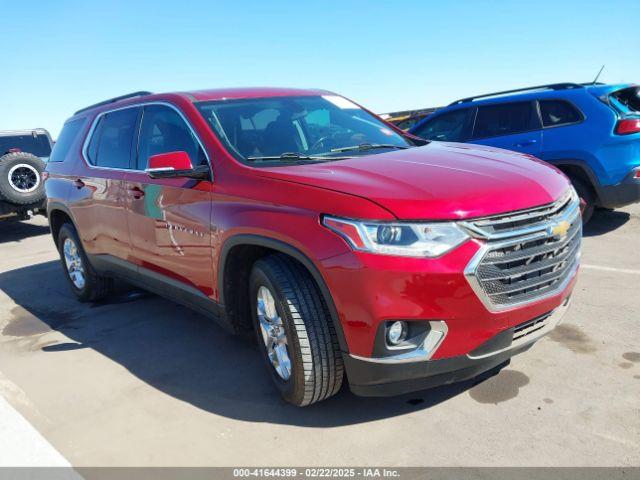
78	184
136	192
525	143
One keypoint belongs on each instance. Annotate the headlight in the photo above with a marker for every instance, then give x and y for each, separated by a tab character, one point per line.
402	239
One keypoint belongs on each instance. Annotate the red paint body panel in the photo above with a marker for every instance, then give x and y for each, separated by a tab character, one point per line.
391	288
174	160
437	181
169	228
102	197
178	227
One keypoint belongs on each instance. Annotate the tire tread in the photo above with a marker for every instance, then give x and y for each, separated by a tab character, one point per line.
316	337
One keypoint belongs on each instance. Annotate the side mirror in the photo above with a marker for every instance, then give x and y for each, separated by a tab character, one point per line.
174	165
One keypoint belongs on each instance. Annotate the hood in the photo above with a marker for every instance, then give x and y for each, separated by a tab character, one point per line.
440	181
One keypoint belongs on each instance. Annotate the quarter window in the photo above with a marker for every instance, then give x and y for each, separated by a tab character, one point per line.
558	112
92	149
66	139
111	142
448	127
163	130
504	119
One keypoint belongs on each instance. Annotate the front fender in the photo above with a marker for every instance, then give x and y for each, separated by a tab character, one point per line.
283	247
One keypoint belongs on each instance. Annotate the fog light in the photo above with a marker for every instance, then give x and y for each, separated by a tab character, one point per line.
396	333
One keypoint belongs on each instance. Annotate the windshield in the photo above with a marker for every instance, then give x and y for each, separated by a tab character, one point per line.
297	129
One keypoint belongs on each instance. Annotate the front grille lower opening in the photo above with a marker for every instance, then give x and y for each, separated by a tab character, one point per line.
530	327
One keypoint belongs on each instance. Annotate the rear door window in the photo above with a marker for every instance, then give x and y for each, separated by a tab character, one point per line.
112	139
66	140
558	112
36	144
448	127
504	119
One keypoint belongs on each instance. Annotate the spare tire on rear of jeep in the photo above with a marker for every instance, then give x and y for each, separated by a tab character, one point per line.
21	178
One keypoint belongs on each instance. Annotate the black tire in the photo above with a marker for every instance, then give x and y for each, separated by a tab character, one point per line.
586	194
96	287
21	178
316	361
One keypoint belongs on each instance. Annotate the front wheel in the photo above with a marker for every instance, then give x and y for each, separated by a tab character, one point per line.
295	331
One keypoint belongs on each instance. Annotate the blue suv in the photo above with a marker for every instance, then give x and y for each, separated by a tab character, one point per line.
589	131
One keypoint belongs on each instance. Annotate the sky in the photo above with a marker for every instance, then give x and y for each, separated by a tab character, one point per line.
59	56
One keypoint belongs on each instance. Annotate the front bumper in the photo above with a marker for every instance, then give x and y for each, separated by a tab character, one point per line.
369	290
624	193
385	377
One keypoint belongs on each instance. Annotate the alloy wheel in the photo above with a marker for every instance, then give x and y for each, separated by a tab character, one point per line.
24	178
73	262
273	333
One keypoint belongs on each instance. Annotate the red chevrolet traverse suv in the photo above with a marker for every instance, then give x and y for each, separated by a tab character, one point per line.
348	246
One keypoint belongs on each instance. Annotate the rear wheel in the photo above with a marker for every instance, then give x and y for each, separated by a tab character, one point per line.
586	195
85	283
295	332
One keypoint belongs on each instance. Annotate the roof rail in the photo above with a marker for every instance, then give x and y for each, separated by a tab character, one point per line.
113	100
551	86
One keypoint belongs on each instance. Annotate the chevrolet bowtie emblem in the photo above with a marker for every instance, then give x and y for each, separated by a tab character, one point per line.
560	229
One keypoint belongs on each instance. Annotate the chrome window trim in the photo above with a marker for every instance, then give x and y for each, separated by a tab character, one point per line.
541	231
97	118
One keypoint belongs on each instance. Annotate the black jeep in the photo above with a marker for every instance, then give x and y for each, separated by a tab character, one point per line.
23	155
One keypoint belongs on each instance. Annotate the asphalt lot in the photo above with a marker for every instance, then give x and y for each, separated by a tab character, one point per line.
138	380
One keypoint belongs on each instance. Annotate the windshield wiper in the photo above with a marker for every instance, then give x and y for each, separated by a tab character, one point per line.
294	156
369	146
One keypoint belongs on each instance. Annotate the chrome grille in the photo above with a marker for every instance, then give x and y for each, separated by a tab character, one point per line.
523	221
528	255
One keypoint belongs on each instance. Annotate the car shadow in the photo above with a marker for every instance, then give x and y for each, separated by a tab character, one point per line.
605	221
13	231
186	355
